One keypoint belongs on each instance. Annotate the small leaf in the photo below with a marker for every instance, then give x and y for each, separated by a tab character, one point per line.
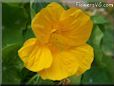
33	80
26	75
14	22
28	33
75	80
36	6
108	64
96	75
98	19
95	41
45	82
11	65
108	41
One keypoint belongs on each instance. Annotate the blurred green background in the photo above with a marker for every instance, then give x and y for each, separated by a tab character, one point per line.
16	28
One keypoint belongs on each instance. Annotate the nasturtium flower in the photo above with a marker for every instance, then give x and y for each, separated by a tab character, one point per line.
59	49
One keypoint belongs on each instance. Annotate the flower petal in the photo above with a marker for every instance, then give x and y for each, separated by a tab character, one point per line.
85	56
30	41
43	21
64	65
35	57
27	48
77	26
70	62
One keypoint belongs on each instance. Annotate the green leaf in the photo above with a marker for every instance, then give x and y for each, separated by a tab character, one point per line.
108	41
26	75
36	6
13	15
108	64
28	33
45	82
14	36
96	75
11	65
100	74
95	41
34	80
14	22
96	36
75	80
98	19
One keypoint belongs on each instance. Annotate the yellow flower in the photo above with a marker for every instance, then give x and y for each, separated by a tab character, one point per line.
59	49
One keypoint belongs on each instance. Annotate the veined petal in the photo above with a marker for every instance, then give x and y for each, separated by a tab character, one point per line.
30	41
27	48
42	23
55	10
64	65
85	56
34	56
77	26
67	63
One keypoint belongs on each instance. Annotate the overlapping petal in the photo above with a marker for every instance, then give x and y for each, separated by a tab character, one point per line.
34	56
73	61
77	26
43	22
84	55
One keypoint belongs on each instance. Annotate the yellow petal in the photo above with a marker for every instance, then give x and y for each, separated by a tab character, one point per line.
64	65
34	56
85	56
77	26
27	48
42	23
30	41
67	63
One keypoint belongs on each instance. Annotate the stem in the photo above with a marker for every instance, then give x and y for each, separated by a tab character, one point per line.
37	79
35	76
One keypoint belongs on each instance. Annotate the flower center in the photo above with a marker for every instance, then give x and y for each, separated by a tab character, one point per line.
55	28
